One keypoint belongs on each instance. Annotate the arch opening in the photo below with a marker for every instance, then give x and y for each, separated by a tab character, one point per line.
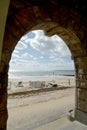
39	44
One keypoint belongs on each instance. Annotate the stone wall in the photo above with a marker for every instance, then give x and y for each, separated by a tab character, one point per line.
81	89
3	95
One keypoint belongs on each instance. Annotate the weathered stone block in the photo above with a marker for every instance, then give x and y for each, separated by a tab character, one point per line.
81	116
82	105
82	94
82	100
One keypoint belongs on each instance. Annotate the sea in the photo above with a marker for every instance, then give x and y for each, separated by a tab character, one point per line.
26	74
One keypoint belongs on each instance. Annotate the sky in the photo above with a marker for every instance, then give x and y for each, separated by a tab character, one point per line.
36	51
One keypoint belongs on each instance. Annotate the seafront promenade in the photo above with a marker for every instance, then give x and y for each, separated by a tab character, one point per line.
31	112
44	111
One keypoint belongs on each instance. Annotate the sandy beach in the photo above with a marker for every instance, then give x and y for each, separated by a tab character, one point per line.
61	81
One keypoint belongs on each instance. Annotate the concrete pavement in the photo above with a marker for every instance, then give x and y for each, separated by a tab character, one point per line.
43	112
63	124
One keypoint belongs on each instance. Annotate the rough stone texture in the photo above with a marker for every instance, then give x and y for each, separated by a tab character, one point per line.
81	116
81	88
65	18
3	96
82	100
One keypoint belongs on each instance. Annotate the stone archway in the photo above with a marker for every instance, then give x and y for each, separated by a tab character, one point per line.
53	17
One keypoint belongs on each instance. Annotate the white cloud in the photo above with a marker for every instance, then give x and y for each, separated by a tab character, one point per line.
25	66
16	51
21	45
35	65
52	47
15	55
49	45
27	56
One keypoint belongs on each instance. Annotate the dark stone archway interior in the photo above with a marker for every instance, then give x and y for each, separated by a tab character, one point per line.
63	17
